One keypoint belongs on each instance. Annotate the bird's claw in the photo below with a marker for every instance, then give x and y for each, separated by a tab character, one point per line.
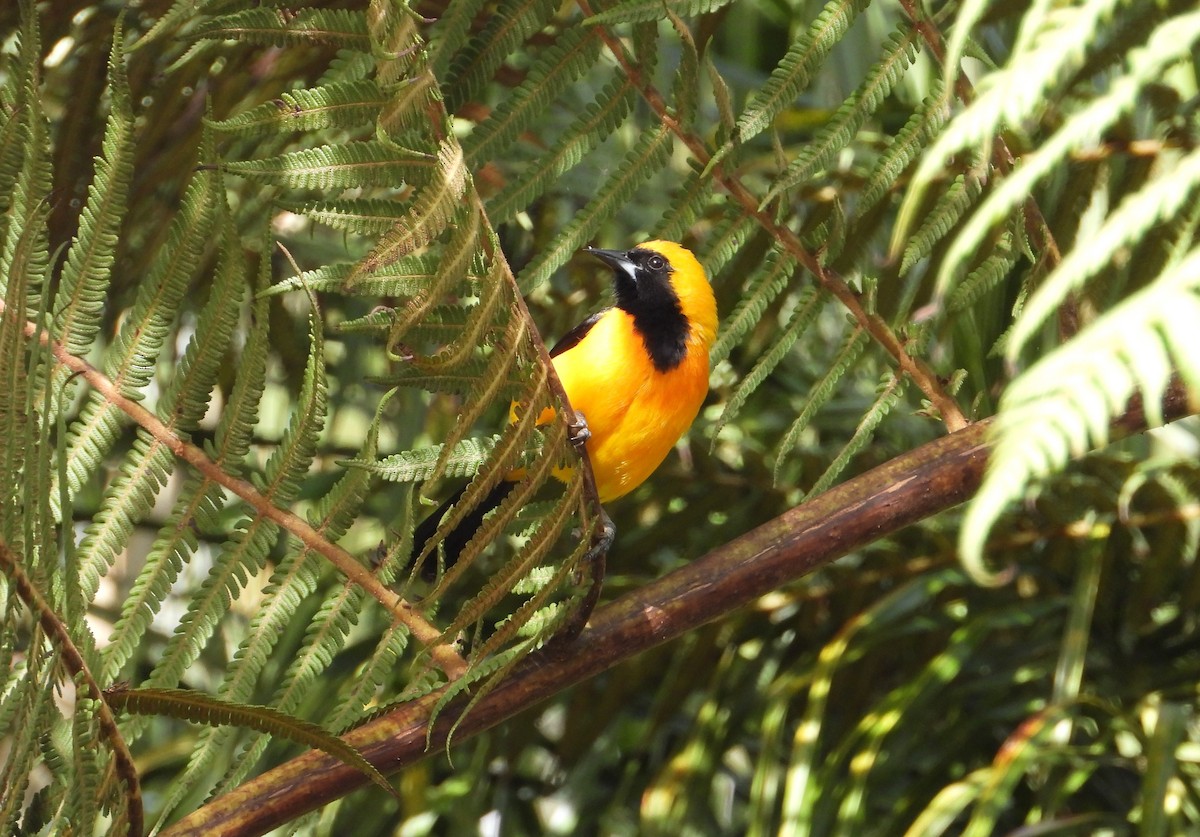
578	431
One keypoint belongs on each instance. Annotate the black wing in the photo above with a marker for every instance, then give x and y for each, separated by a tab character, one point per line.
571	339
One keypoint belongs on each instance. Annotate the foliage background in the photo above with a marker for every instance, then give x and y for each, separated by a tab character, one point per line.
897	249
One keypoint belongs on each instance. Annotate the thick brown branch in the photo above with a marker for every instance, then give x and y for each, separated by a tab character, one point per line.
75	664
444	656
910	488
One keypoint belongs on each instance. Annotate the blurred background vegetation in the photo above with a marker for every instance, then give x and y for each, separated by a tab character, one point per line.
887	693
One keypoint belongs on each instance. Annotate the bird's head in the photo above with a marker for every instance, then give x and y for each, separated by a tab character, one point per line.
665	288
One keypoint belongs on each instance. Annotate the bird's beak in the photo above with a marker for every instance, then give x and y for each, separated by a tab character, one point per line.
618	260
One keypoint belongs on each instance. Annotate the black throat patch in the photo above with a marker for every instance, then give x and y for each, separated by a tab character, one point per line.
654	305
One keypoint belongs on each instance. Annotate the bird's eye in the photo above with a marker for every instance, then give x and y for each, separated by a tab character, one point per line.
656	263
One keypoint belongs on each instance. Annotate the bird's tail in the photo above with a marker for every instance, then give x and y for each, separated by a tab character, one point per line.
461	534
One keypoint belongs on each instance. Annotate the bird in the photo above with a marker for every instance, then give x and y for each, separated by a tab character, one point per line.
636	372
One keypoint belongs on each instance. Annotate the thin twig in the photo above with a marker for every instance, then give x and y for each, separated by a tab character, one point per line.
444	655
73	659
925	379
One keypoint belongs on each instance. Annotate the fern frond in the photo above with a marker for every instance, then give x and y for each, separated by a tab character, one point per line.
451	33
327	633
1056	48
177	16
83	286
459	254
947	212
347	67
481	318
1169	44
418	465
23	226
343	166
599	119
396	41
820	393
990	272
24	253
31	703
206	709
793	73
131	360
644	11
364	216
506	29
483	672
651	153
277	27
347	104
764	286
899	52
730	236
969	14
1158	201
497	585
512	441
685	206
246	550
408	276
200	501
864	433
408	108
496	379
519	567
442	326
464	380
506	453
433	208
184	402
908	144
294	581
806	310
554	72
12	153
686	84
1062	406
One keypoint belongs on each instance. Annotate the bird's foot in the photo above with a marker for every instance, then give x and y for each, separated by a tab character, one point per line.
578	431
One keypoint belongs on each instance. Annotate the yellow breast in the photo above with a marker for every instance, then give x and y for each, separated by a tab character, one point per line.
634	412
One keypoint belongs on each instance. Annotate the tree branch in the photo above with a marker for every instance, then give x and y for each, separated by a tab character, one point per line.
913	486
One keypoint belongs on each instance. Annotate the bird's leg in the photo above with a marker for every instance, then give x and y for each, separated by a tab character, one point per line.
593	563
